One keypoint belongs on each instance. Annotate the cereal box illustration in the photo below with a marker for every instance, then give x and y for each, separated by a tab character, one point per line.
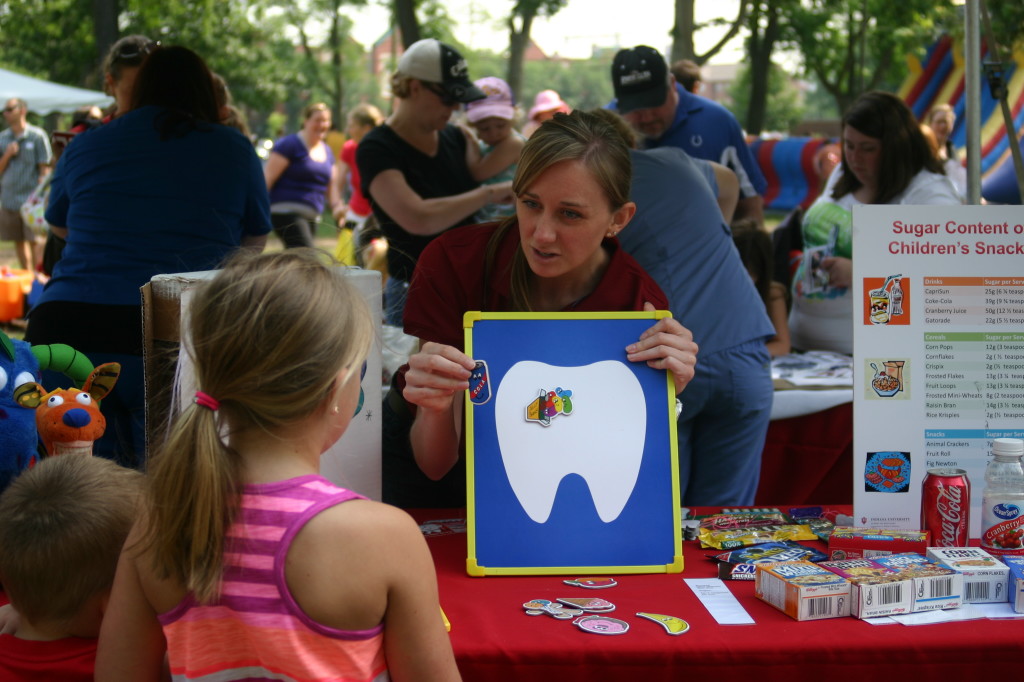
875	590
803	590
986	579
934	587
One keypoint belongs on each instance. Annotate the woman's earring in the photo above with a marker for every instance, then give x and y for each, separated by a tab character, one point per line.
335	410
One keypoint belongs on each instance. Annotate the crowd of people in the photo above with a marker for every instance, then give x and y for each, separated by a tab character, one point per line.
652	203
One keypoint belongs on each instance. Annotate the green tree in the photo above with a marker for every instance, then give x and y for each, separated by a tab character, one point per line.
850	46
784	109
685	26
520	23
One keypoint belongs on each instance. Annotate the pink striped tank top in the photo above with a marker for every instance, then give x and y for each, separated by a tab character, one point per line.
256	630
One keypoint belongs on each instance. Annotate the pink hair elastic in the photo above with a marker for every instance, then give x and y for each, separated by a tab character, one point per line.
206	401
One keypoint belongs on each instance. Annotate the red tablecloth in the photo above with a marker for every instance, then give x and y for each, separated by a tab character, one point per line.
494	640
809	458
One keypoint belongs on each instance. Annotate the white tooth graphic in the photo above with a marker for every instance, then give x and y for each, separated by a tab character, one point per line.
600	440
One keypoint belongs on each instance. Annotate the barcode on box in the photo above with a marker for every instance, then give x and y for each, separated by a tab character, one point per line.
820	607
890	594
938	589
976	591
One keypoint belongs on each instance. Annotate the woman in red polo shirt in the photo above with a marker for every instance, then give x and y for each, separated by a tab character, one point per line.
559	253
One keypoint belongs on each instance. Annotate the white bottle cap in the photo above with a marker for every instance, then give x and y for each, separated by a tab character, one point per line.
1008	447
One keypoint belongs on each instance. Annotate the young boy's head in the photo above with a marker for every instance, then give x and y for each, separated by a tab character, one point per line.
62	525
492	116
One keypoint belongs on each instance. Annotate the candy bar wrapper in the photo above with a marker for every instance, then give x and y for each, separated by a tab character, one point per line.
771	552
848	542
729	539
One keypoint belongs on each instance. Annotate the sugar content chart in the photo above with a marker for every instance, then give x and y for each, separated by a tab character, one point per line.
938	297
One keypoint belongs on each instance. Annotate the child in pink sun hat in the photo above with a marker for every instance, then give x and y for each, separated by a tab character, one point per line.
493	159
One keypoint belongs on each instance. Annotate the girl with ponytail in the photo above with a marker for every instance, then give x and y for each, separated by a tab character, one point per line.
249	561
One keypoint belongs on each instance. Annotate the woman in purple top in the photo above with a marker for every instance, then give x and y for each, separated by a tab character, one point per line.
299	172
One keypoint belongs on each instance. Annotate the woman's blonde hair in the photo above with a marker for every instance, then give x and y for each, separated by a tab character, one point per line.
270	333
366	115
577	136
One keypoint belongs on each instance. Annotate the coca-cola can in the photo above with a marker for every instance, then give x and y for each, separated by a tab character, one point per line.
946	506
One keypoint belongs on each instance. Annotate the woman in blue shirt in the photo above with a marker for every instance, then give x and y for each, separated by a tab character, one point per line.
163	188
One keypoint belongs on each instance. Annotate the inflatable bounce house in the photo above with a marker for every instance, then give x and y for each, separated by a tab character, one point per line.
939	79
796	167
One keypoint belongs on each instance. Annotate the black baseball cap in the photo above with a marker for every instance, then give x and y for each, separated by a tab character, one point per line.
432	61
640	78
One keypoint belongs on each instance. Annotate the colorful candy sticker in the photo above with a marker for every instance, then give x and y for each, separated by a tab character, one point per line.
537	607
479	384
672	625
602	625
548	405
592	583
588	604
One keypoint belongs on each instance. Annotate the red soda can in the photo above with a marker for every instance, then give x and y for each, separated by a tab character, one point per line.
946	506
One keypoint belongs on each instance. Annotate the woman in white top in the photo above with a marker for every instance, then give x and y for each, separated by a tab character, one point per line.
886	160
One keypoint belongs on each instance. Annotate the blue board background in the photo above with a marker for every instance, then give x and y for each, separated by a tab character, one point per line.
574	535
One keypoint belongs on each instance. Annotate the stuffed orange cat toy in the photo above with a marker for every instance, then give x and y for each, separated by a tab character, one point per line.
69	419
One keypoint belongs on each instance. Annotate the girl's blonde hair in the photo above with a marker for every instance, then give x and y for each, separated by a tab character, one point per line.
270	333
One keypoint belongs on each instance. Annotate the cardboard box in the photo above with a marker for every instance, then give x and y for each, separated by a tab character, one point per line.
986	579
1016	566
803	590
875	590
934	587
848	542
353	462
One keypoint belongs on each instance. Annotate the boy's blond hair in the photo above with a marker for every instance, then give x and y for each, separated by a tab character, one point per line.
62	525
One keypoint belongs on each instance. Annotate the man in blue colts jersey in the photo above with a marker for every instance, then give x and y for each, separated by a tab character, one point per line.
667	115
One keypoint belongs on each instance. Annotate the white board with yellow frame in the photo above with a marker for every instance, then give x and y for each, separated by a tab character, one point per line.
570	447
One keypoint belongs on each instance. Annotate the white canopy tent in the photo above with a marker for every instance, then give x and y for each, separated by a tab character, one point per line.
44	97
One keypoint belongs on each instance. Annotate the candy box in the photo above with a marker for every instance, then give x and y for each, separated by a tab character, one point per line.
1016	566
849	542
934	587
803	590
986	579
875	590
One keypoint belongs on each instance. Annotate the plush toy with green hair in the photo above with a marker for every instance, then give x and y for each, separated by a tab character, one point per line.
20	367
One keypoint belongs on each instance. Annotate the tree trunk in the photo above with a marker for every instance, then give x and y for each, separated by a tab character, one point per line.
408	24
518	41
337	41
760	51
682	32
104	30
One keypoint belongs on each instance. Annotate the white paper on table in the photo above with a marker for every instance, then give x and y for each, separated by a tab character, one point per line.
719	601
998	611
965	612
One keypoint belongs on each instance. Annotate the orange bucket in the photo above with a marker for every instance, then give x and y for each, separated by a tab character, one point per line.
14	286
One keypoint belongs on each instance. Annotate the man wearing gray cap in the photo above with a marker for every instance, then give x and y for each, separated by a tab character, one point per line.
666	115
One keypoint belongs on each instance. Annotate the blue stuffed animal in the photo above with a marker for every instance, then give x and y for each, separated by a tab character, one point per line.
19	440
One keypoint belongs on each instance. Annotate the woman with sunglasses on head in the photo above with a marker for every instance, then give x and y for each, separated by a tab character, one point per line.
162	188
413	167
